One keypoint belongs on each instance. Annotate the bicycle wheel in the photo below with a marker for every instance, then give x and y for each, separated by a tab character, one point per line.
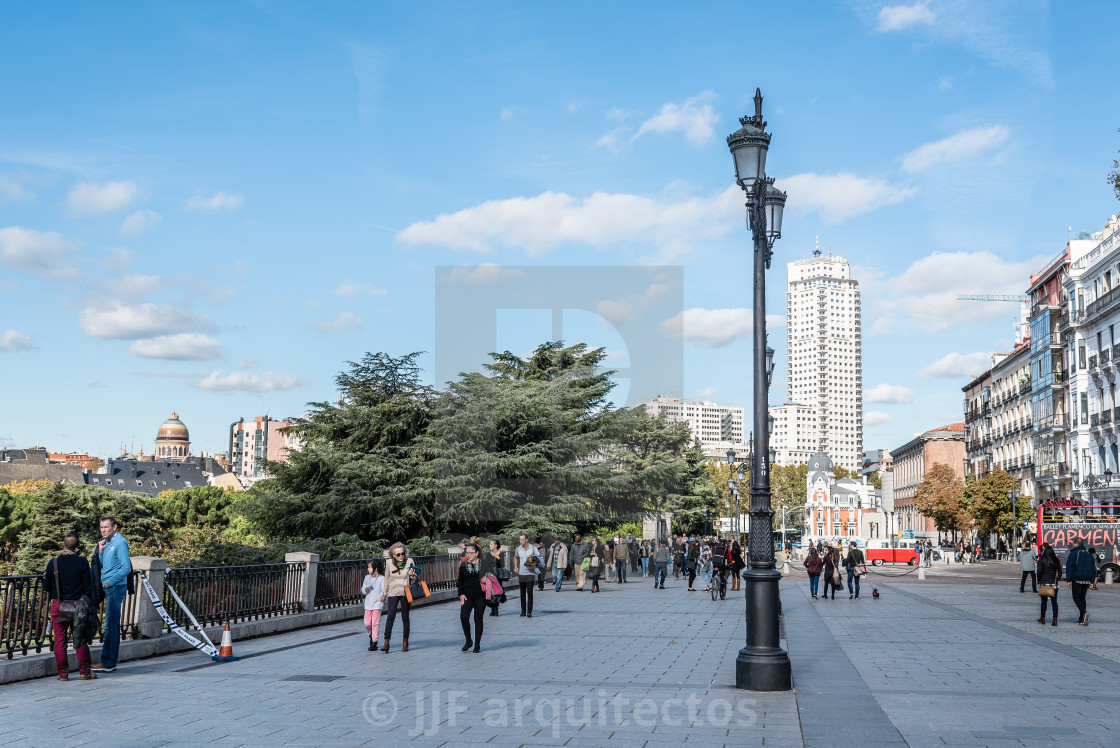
722	587
714	592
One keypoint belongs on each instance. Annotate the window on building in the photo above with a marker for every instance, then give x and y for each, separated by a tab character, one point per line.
1081	356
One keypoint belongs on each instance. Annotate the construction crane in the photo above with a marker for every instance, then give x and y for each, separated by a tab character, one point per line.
1020	298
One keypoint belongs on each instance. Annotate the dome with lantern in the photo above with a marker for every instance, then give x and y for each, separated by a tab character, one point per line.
173	441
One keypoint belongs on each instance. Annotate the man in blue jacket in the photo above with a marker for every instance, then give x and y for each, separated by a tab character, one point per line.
112	552
1081	572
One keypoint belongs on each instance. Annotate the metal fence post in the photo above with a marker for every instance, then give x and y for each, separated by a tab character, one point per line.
306	595
148	623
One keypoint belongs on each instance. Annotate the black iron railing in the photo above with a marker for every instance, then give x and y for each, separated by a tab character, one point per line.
216	594
25	615
339	583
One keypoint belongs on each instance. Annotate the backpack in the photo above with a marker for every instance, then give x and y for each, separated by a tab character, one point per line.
1083	567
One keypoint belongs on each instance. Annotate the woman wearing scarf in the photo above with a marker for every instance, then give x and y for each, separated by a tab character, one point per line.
399	572
471	597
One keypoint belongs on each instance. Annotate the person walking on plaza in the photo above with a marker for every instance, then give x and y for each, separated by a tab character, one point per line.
660	564
527	564
1081	573
678	550
621	558
691	560
1028	559
1049	574
634	551
831	573
577	553
813	565
400	572
492	563
854	562
558	561
704	567
113	559
373	588
929	554
542	553
607	562
737	566
67	578
643	557
595	565
472	599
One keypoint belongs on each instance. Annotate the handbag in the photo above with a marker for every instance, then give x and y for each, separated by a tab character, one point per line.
861	569
1047	590
66	608
417	590
594	562
585	564
501	574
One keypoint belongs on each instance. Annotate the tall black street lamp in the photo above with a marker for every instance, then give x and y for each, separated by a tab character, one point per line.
762	665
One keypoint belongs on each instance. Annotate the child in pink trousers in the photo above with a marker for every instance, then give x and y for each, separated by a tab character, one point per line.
373	587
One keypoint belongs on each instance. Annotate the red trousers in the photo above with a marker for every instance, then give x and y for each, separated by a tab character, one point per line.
61	631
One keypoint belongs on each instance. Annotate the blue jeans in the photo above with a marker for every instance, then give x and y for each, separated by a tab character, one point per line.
852	575
620	570
645	566
814	580
659	571
114	598
707	577
558	575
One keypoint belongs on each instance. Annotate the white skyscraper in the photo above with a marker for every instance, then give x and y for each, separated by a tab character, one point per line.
825	360
711	424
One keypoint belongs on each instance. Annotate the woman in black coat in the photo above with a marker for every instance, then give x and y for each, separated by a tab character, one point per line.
471	597
491	563
1049	573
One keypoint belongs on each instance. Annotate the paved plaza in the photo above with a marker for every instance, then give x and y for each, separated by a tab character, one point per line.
930	663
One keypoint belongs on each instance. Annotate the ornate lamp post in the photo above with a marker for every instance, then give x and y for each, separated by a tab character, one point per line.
762	665
1013	497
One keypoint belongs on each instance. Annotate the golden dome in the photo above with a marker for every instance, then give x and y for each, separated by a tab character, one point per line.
173	430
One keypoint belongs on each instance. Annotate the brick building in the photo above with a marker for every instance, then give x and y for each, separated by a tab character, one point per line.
912	462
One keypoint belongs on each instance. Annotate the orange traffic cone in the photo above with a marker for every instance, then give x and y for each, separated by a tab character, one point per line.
225	652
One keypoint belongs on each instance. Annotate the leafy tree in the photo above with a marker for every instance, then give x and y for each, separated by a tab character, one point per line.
941	498
30	485
842	472
788	484
876	479
354	470
990	507
60	508
199	505
1114	177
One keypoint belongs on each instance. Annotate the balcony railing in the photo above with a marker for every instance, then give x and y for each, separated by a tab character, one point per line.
1092	362
339	582
1094	420
216	594
25	620
1106	417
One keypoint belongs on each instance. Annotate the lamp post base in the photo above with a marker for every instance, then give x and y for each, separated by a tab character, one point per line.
763	665
763	671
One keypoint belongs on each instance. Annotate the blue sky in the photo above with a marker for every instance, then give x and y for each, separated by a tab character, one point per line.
210	207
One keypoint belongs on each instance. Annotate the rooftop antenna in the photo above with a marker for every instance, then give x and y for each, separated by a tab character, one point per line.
817	251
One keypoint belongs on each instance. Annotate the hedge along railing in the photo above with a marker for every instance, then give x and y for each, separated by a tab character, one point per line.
25	615
339	583
216	594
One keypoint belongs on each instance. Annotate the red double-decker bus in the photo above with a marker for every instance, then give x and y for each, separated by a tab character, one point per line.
1063	523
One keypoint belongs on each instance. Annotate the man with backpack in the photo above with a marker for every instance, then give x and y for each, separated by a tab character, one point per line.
1081	573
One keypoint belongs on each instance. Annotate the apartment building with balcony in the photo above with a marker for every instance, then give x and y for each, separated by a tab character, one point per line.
998	426
1092	345
912	463
1049	321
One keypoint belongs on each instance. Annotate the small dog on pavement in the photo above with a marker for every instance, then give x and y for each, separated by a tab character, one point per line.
875	593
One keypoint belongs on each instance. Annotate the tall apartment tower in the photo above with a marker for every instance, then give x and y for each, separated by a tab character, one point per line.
825	354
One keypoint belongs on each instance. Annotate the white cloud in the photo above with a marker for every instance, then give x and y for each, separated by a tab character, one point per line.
114	319
552	219
350	288
967	144
706	391
484	273
714	327
876	418
181	347
248	382
899	17
924	296
12	189
139	222
13	341
956	365
92	199
247	363
344	321
217	201
629	308
888	393
44	253
836	197
693	117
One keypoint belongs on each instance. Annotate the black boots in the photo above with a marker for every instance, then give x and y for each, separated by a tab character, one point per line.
372	645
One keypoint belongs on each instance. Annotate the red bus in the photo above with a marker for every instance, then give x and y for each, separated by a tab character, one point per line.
1063	523
879	552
